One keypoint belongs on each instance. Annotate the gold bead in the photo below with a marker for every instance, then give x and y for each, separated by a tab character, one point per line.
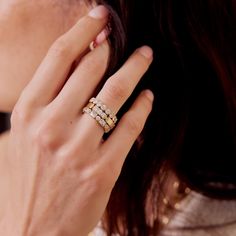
110	122
176	185
92	45
165	220
177	206
187	190
165	201
90	105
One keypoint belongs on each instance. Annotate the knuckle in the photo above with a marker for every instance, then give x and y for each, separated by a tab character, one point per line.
20	116
44	137
115	90
133	124
60	48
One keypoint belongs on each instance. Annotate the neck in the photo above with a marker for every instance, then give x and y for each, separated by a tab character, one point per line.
3	170
3	144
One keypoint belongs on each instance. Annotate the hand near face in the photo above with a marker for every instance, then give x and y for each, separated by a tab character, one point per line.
60	172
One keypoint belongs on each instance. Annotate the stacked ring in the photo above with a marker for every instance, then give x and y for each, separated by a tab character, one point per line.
103	115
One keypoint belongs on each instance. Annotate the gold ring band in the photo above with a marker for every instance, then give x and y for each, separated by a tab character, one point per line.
103	115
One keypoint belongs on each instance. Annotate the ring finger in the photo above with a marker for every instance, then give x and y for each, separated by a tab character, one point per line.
119	87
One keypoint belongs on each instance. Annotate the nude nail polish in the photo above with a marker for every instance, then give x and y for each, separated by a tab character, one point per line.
99	12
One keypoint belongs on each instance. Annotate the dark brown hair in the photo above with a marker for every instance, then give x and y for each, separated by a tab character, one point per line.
192	128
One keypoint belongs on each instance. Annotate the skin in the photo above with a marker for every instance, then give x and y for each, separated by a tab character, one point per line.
27	30
56	177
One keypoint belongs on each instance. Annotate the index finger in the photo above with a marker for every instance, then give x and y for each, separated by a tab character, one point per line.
52	73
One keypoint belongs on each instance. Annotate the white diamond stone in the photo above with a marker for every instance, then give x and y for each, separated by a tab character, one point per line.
108	111
104	107
99	104
102	122
95	108
87	110
93	114
98	118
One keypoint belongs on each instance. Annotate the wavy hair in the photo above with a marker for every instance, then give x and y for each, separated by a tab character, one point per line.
192	128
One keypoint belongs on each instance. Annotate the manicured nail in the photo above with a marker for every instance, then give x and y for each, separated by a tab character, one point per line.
99	12
102	37
146	52
149	94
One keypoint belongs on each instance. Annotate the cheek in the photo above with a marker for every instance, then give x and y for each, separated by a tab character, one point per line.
26	33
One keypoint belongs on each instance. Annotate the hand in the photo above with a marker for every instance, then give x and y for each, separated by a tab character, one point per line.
60	172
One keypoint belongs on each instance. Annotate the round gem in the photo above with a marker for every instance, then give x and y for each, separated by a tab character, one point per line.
104	107
93	114
98	118
87	110
99	104
108	111
102	122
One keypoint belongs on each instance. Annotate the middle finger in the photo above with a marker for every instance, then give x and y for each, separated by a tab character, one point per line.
82	82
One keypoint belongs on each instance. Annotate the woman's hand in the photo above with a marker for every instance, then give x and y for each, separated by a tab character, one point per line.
60	172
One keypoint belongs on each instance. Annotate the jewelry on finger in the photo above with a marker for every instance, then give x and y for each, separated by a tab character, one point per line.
104	108
92	45
103	115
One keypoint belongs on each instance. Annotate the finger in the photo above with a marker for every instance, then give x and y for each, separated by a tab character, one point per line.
53	71
119	87
81	84
117	146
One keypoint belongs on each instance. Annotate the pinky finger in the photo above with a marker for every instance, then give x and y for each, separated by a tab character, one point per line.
117	146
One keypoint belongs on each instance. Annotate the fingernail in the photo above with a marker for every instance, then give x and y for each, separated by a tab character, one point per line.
149	94
102	37
146	52
99	12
